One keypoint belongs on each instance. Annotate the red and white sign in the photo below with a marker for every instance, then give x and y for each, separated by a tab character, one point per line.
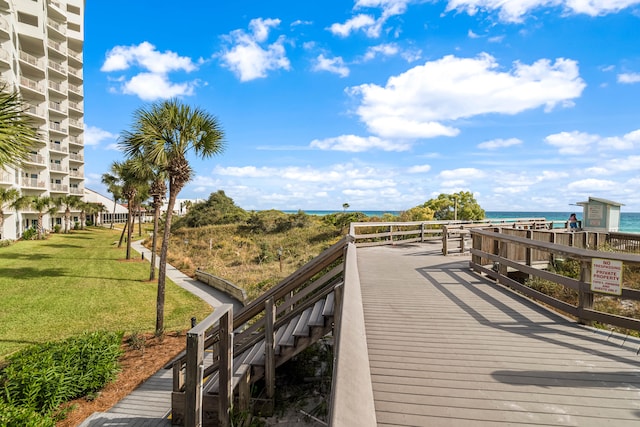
606	276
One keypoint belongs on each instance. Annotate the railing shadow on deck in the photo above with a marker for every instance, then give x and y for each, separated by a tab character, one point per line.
522	325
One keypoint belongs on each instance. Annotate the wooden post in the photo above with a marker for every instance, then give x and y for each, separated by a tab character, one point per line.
504	253
528	251
244	388
445	241
269	354
462	237
585	298
391	234
477	244
225	394
193	380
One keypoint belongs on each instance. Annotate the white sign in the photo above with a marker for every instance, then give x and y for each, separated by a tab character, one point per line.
606	276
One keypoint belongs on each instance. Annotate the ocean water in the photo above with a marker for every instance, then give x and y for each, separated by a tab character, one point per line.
629	221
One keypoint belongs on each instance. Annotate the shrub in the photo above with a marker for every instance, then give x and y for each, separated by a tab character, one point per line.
56	228
29	234
23	417
44	376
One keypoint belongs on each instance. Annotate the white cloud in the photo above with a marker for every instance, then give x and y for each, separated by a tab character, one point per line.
94	135
514	10
462	174
356	23
419	169
495	144
388	49
580	142
153	83
629	78
356	144
332	65
248	58
472	35
416	102
150	86
592	184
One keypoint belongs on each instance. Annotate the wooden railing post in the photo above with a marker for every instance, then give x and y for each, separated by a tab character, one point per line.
585	298
193	379
225	394
445	241
528	256
269	354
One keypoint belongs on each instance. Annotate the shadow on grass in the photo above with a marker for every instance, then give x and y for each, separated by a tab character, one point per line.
63	245
34	257
31	273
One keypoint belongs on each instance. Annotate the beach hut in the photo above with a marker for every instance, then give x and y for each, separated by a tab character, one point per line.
600	214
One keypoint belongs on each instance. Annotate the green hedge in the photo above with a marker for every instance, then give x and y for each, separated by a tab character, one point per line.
11	416
42	377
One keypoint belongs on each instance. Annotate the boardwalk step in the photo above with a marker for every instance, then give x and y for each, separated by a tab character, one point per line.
288	339
279	333
316	318
327	311
302	328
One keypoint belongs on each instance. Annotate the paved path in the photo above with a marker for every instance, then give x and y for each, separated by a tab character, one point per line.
450	348
150	403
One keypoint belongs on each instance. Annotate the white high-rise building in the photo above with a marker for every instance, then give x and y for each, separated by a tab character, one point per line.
41	56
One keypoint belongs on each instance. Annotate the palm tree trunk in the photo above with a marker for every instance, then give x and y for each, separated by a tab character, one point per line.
154	240
126	223
113	216
174	189
140	220
131	223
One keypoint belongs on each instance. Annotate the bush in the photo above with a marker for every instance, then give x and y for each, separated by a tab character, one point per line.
57	228
29	234
11	416
44	376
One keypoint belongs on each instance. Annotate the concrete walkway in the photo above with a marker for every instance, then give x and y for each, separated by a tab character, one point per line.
149	405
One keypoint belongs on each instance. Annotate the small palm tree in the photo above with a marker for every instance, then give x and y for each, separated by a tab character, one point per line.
8	199
17	134
42	205
164	134
67	202
130	183
114	187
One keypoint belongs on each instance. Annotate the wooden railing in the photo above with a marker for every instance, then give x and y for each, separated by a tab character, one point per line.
261	317
503	255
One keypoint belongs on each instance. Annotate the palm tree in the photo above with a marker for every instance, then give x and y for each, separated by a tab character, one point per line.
129	182
42	205
67	202
164	134
115	188
17	135
8	198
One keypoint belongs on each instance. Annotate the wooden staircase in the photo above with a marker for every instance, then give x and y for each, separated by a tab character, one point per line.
266	333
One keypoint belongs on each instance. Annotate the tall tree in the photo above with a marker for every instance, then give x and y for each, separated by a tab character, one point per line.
130	183
164	134
17	134
8	199
461	205
67	202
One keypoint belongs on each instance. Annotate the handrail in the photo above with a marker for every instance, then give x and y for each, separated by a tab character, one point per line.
494	248
352	401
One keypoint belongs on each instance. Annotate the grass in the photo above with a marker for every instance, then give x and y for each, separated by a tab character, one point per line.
70	283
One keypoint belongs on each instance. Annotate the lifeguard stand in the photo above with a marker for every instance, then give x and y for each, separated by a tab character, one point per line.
600	215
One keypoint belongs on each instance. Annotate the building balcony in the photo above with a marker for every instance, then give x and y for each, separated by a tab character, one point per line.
75	55
58	87
59	188
75	89
75	140
61	29
76	157
5	30
76	106
57	46
57	127
31	85
35	159
27	58
5	58
7	178
57	106
76	190
35	112
75	123
75	72
59	148
76	174
33	183
56	167
57	67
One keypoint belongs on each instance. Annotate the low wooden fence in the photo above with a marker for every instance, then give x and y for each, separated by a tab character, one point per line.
498	254
222	285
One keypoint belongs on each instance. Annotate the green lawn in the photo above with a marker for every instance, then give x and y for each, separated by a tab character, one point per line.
55	288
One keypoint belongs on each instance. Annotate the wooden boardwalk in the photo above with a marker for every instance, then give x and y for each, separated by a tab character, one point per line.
450	348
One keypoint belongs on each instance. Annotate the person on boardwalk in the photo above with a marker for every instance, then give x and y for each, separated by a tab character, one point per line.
573	222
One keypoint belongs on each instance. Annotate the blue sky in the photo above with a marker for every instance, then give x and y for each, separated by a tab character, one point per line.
532	105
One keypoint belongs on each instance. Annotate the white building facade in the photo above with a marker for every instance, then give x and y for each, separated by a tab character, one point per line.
41	43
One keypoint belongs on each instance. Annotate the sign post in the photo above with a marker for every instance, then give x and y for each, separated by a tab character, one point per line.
606	276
